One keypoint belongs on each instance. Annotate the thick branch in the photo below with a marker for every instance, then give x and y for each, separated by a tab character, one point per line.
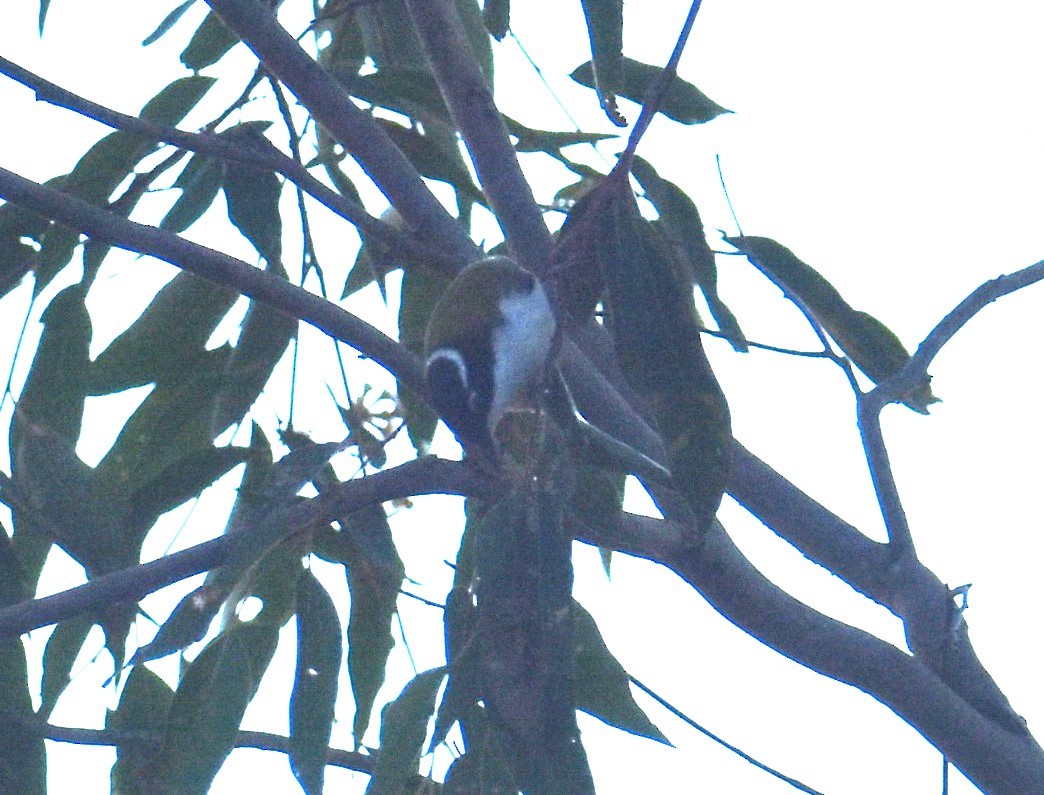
471	105
216	267
999	761
355	129
224	149
422	476
935	632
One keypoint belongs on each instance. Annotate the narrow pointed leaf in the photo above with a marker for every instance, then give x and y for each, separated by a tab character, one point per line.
470	15
435	159
143	708
605	30
23	765
208	708
496	16
603	687
168	22
375	574
200	182
654	324
404	725
59	655
315	682
208	44
421	288
187	624
252	195
683	102
870	344
684	228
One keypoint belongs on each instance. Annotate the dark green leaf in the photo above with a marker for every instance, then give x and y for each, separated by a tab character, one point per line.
375	575
168	22
49	476
434	157
252	195
143	707
652	318
168	339
404	725
871	345
23	765
684	228
421	288
603	688
200	182
44	6
315	682
187	624
59	655
411	92
209	43
605	30
683	102
530	140
496	16
208	707
109	162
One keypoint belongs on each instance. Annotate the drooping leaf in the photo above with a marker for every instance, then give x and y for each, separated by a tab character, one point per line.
653	321
59	655
411	92
199	182
315	682
550	141
23	764
168	22
168	339
605	30
50	478
683	102
496	16
421	288
871	345
684	228
436	157
404	725
602	686
375	574
187	623
44	6
252	195
208	44
208	707
143	708
109	162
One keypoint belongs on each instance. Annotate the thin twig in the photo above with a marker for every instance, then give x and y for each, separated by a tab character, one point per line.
708	733
256	154
651	102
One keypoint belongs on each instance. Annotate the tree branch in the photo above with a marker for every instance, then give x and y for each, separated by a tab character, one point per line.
421	476
466	92
216	267
355	129
1001	762
224	149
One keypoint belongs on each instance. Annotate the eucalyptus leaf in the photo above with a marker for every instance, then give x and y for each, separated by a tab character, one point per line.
605	30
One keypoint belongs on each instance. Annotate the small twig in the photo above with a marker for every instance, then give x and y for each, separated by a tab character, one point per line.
773	348
900	539
728	199
651	102
707	733
222	148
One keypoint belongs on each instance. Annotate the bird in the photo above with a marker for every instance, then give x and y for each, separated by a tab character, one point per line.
486	347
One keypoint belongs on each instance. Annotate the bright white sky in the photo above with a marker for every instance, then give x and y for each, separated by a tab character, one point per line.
897	148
